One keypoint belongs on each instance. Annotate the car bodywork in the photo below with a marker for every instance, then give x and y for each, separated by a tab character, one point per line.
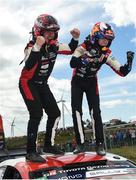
86	165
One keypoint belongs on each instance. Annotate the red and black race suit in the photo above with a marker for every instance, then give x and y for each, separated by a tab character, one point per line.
84	80
36	92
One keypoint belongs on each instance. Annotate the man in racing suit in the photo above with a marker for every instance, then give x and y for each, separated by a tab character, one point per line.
86	61
40	57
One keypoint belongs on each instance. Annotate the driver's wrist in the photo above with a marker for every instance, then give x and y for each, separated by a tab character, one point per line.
36	47
76	38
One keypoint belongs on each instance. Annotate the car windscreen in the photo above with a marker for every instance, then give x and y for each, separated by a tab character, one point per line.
87	170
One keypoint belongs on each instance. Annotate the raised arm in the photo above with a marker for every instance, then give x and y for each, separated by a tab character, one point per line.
122	70
32	52
70	48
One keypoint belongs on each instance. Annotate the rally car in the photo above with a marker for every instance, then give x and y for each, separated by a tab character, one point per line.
86	165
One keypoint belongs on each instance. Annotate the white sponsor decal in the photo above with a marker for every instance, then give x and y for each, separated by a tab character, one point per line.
52	55
108	166
106	172
45	66
44	58
43	71
76	176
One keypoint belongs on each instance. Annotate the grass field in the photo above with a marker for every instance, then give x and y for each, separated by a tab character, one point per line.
125	151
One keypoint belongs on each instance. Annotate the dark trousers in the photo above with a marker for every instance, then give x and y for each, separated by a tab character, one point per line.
90	88
38	97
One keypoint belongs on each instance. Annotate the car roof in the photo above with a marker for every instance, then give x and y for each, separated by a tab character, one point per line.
60	160
54	163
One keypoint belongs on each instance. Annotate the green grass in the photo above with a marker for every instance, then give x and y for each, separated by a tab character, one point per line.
125	151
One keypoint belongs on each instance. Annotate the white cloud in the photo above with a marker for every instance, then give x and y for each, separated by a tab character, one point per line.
115	80
122	13
117	102
117	94
133	40
116	91
62	62
125	90
58	86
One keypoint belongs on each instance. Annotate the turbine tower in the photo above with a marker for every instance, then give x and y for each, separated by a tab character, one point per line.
12	127
62	111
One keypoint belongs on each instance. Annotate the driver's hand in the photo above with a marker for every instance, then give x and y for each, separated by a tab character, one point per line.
130	56
75	33
40	41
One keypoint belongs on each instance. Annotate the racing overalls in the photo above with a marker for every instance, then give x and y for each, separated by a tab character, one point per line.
33	85
84	80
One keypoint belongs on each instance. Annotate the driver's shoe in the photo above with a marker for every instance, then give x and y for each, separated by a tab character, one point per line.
100	149
35	157
80	148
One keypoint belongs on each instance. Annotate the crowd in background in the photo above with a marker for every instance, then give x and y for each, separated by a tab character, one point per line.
124	137
114	138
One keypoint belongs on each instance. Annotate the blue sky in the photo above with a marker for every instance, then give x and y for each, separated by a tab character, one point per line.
117	94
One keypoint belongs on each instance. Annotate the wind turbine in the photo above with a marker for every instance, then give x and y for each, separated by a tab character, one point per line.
12	127
63	107
62	111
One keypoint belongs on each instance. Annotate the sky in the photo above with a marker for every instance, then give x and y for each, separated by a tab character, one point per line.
117	94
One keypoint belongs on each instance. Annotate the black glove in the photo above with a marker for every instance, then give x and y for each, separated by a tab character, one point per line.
127	67
130	56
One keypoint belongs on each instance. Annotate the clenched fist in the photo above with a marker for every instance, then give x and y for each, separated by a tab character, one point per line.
75	33
40	41
130	55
